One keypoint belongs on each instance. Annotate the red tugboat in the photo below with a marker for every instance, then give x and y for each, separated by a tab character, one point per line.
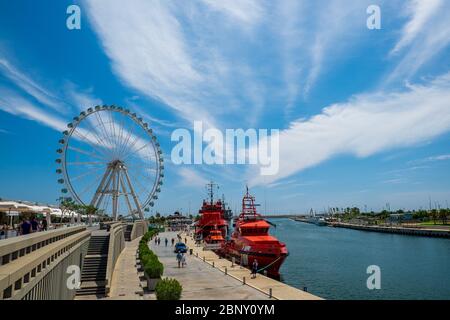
212	227
251	240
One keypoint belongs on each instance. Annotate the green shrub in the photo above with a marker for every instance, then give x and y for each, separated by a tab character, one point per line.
153	268
168	289
147	257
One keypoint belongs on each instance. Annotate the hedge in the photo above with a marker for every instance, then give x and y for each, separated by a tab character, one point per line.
149	260
168	289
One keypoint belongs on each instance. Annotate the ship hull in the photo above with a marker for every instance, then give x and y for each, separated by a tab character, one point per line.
269	260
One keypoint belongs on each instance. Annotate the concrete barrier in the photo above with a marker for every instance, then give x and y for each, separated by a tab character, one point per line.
35	266
116	245
140	227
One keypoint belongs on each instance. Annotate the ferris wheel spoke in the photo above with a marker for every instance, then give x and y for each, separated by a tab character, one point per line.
95	132
139	183
106	136
121	130
113	132
88	173
87	140
137	150
90	186
81	163
125	143
92	154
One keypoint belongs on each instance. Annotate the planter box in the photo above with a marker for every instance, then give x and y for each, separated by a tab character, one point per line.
152	282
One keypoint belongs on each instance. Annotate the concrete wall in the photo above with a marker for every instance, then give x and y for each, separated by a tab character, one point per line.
140	227
35	266
116	245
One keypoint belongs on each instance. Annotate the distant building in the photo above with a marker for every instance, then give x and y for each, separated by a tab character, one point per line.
177	221
399	217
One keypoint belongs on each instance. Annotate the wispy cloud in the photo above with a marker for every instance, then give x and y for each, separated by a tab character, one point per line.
191	178
14	104
365	125
424	36
442	157
30	87
421	12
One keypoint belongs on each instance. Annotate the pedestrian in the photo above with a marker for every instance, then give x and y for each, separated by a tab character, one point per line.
183	260
25	227
44	225
156	241
185	240
173	241
34	225
3	232
254	268
179	256
159	241
166	241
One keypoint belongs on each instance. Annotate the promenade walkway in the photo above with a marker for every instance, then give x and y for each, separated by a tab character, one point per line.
200	280
126	283
280	291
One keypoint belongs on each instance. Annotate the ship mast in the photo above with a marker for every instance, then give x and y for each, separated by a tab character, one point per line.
248	205
210	188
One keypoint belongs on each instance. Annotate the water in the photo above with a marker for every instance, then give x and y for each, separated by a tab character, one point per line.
332	262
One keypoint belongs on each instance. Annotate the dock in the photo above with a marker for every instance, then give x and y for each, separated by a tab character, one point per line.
270	288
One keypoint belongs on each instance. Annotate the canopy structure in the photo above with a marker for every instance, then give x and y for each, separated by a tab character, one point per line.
14	206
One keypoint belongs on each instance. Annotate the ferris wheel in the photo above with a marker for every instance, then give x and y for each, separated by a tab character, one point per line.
110	159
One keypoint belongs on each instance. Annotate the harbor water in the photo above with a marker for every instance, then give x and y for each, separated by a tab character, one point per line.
332	262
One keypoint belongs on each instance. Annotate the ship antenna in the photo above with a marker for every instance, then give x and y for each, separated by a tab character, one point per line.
210	187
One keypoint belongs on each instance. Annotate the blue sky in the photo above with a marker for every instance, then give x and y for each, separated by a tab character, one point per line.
364	115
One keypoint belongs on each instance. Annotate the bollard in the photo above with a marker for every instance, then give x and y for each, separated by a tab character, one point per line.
232	262
204	258
265	273
226	271
196	254
213	264
243	280
270	293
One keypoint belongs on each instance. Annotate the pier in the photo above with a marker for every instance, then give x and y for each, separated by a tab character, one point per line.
269	287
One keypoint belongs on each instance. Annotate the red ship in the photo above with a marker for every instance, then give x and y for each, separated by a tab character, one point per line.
212	223
251	240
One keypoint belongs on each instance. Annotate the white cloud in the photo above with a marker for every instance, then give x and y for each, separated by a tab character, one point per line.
191	178
421	12
31	87
425	35
365	125
246	11
16	105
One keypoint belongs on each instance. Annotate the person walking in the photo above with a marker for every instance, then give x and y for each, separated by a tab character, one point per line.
183	260
254	268
25	227
44	225
159	241
173	241
166	241
179	257
156	241
34	225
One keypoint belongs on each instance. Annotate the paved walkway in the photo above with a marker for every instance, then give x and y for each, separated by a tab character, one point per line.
126	282
200	280
280	290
